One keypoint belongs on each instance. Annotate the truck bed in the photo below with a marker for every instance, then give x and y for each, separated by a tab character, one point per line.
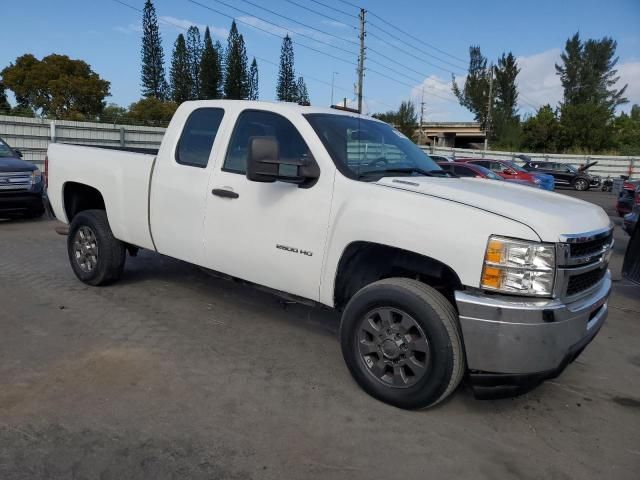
122	176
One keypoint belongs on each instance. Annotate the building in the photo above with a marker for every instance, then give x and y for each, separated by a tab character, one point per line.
451	134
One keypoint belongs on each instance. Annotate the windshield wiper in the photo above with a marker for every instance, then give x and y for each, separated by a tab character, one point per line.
390	171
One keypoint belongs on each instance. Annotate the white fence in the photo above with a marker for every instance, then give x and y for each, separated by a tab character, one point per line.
607	165
33	135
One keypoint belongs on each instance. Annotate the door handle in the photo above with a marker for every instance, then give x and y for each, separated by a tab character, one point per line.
224	193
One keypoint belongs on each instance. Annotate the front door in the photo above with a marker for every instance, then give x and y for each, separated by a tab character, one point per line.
272	234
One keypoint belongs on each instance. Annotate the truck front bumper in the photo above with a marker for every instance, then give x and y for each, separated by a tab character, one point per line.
513	344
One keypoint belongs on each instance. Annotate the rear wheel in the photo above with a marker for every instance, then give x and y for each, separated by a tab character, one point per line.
581	184
96	256
401	342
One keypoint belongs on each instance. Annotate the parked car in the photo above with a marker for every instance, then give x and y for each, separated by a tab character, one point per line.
630	219
627	197
21	185
472	170
441	158
512	171
283	196
565	174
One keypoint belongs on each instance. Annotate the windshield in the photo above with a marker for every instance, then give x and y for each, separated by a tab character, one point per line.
572	168
515	166
5	151
488	173
368	150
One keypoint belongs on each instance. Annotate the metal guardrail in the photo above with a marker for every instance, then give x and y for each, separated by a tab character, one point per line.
613	166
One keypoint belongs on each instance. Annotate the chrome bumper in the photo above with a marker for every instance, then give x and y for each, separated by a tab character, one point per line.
509	335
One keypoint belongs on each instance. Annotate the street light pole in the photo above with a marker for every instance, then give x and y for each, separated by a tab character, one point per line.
333	78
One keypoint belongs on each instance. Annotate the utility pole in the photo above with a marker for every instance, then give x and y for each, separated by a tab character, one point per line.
361	60
333	78
421	117
487	127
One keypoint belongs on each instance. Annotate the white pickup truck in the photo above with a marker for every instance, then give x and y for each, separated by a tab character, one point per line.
437	278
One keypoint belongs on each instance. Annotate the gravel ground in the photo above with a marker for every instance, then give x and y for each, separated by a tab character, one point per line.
172	373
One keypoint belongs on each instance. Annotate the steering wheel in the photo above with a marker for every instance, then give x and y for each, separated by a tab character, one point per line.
380	161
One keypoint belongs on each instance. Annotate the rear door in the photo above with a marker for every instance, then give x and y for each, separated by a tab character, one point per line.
271	234
180	181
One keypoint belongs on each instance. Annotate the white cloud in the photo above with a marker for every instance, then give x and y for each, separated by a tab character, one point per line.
630	74
182	24
440	103
128	29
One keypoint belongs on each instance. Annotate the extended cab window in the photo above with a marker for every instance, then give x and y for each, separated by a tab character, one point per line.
257	123
194	146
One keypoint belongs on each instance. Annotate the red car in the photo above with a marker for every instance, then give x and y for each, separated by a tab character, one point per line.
507	170
627	197
468	169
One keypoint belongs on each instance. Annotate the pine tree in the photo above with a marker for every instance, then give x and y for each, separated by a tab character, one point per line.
475	93
286	90
254	92
5	107
154	83
210	69
180	73
303	94
236	79
506	130
194	50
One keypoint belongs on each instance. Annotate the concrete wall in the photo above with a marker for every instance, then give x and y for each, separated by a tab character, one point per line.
607	165
33	135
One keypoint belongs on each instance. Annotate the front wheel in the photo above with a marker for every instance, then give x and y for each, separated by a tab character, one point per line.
401	342
581	184
96	256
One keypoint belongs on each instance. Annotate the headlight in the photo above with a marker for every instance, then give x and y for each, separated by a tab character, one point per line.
519	266
36	176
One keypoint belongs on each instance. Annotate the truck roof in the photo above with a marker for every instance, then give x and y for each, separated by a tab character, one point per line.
281	107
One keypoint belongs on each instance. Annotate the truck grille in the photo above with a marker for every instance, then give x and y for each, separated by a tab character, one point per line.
590	247
584	281
15	181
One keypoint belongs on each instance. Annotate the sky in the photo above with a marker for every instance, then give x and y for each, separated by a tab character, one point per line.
410	44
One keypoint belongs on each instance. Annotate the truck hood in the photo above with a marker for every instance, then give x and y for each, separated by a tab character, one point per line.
549	214
15	165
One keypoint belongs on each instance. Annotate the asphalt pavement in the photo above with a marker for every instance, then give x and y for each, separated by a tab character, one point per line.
173	373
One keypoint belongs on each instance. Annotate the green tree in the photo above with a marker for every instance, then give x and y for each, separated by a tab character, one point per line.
588	77
5	107
506	131
303	93
236	78
389	117
474	95
114	113
286	90
254	91
194	51
541	131
627	132
56	86
210	69
181	85
406	118
154	83
152	111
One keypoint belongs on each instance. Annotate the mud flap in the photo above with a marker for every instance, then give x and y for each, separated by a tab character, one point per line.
631	265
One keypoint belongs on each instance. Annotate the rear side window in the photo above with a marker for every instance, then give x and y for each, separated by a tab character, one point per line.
463	171
257	123
482	163
194	146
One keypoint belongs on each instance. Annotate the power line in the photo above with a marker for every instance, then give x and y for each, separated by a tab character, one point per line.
350	4
290	19
416	38
335	9
408	84
415	48
321	14
272	33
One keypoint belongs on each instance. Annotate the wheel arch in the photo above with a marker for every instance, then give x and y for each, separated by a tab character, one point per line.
363	262
77	197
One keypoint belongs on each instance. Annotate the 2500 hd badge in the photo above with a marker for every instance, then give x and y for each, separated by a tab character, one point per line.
294	250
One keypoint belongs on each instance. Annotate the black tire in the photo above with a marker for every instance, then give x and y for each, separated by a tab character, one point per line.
33	214
435	318
110	253
581	184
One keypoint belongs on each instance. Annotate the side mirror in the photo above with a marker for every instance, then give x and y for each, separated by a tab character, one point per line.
18	152
265	165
